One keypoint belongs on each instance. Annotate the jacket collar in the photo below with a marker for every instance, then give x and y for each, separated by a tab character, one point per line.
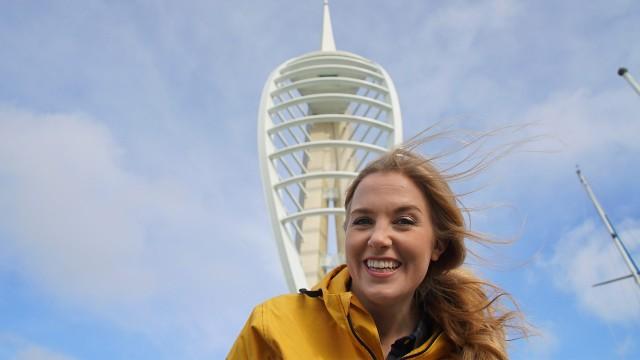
336	293
346	310
342	305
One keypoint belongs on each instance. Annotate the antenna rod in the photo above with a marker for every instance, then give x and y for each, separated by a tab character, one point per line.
612	231
327	43
625	74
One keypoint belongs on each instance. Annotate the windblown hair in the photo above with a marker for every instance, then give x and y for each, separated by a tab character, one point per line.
468	310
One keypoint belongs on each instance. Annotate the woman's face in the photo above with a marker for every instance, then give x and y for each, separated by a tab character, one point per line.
390	239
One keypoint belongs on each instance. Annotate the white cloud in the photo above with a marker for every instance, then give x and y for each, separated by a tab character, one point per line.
17	348
585	121
152	254
75	212
584	256
38	353
595	130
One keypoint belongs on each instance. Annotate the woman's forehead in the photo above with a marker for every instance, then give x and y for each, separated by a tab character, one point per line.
388	187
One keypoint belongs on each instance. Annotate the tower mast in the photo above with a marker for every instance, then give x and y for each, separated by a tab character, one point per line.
635	273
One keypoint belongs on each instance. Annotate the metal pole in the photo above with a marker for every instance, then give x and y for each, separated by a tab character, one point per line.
612	231
625	74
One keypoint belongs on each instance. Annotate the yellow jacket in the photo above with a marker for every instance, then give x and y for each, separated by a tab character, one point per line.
325	323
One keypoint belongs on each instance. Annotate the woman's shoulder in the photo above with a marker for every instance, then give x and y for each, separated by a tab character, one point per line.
303	301
267	331
285	313
289	311
280	301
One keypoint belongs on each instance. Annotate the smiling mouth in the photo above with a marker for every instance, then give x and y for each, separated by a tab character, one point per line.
381	265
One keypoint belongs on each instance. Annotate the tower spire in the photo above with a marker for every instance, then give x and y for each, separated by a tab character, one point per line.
328	44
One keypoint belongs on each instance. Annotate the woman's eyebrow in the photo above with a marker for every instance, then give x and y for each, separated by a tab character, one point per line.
402	208
361	210
408	208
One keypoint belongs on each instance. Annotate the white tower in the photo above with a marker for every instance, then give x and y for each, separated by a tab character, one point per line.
322	117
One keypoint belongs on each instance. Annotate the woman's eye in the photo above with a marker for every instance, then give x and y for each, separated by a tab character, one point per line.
362	221
405	220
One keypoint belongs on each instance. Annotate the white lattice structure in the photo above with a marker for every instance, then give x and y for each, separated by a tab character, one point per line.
322	117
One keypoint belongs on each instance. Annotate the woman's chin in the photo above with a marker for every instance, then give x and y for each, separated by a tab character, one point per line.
384	296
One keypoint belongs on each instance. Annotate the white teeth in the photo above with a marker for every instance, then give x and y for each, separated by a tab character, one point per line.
382	264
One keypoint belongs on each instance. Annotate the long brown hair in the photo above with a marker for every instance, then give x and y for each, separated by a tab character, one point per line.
468	310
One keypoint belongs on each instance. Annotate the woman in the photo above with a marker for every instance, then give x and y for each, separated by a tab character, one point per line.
402	293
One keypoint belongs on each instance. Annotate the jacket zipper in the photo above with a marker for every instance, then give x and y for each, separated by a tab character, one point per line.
373	356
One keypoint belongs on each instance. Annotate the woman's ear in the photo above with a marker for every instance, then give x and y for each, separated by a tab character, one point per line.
438	249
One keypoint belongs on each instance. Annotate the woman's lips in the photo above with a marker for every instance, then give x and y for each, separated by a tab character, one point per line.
381	267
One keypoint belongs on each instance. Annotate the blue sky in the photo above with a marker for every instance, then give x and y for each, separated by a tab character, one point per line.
132	218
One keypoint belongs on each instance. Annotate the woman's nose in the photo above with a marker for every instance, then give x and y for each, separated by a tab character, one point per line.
380	237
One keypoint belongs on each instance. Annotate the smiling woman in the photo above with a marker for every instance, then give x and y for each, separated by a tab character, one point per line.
390	244
402	293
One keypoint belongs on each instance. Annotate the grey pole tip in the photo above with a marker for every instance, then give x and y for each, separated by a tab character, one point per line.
622	71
